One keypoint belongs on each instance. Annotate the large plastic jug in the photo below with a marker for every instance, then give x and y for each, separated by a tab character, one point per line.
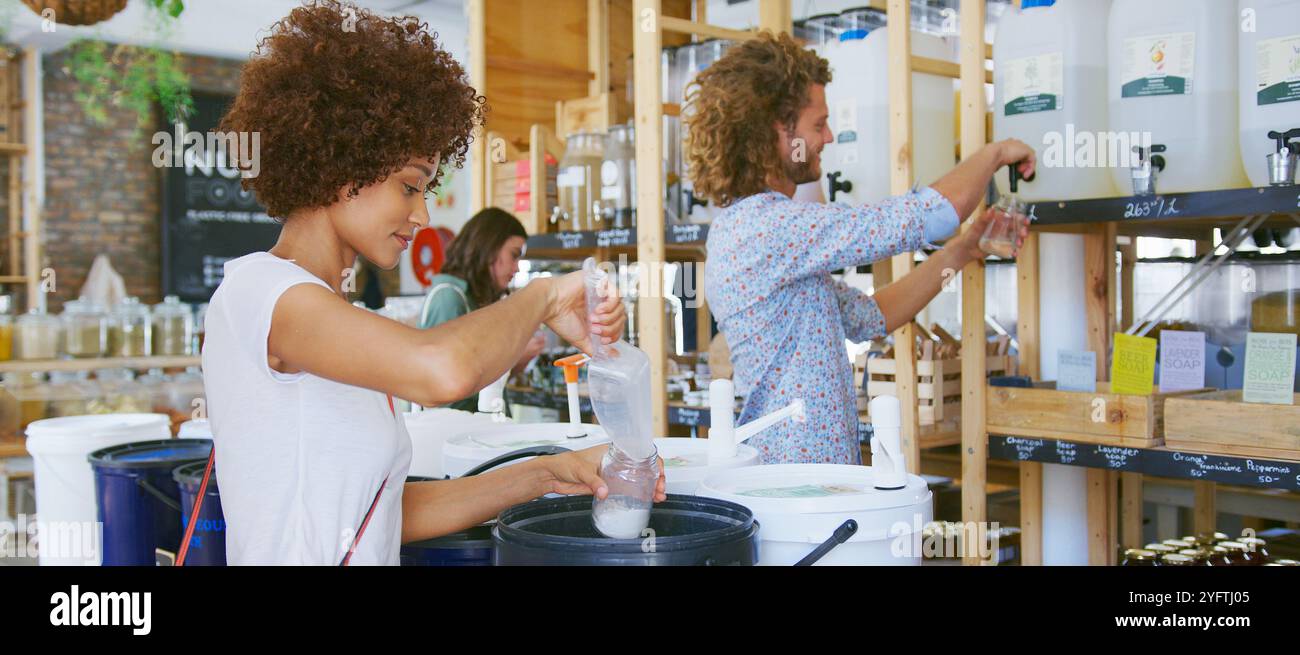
1269	72
1173	75
618	380
856	167
1049	65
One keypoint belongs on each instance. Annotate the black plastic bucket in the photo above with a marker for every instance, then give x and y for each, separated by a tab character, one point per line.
688	531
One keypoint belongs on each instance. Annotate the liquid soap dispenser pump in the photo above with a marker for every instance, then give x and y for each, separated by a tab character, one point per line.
888	468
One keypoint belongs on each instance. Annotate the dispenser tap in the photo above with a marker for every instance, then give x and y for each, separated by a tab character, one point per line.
1149	165
571	364
1282	164
491	400
837	186
723	433
887	464
558	214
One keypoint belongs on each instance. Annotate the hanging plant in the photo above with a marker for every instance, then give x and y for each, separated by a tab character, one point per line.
131	77
77	12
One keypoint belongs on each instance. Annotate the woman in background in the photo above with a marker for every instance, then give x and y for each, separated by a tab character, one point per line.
481	261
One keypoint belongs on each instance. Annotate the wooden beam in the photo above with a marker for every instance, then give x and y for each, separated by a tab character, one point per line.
646	46
942	68
598	46
1098	283
1205	514
900	182
776	16
683	26
1031	473
33	201
974	438
1099	528
541	141
539	69
1128	254
477	11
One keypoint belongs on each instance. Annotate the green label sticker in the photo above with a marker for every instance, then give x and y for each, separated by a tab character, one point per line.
1277	63
1158	65
1033	84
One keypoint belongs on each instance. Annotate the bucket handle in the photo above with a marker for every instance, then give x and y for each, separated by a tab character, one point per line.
841	535
535	451
158	494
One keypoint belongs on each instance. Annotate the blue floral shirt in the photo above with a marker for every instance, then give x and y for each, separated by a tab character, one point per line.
768	283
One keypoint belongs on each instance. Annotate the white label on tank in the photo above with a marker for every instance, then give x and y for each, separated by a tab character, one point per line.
574	176
1034	84
804	491
609	173
1158	65
1278	64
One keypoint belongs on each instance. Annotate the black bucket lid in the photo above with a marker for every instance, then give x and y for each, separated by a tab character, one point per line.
191	473
716	521
151	454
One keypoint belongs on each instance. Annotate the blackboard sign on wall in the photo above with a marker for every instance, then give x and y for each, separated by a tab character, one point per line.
207	219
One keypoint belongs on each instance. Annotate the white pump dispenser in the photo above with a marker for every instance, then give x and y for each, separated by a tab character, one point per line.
888	468
491	400
723	433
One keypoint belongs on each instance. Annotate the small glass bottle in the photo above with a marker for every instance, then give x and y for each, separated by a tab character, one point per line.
37	335
173	324
1002	237
6	337
1138	557
130	329
625	511
85	329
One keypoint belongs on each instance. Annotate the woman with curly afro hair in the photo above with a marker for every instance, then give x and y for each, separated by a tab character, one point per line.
357	116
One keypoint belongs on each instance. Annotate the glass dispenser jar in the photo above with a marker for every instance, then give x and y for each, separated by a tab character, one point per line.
173	325
6	337
119	393
579	182
617	204
37	335
130	330
85	329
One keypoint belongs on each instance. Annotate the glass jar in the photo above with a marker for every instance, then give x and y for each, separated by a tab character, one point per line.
71	393
157	387
625	512
1001	238
579	182
1138	557
200	328
1161	549
11	411
173	325
37	336
6	337
1177	559
129	330
1219	556
33	395
617	204
1237	555
1200	557
119	393
85	329
1287	562
183	389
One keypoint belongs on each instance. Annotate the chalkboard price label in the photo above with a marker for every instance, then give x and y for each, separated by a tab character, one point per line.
614	238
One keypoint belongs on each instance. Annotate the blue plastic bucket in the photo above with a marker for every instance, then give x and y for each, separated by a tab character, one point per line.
208	543
472	547
138	501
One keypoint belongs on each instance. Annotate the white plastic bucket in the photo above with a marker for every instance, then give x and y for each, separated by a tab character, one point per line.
471	448
430	429
799	506
195	429
686	462
65	484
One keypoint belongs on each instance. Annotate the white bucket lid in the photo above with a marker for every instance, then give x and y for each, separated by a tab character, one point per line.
810	489
198	428
442	419
83	434
685	456
498	439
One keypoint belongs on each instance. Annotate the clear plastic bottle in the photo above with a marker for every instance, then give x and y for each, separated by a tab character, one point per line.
618	379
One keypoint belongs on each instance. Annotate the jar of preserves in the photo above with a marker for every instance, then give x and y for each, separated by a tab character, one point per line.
6	337
1139	557
1256	548
1219	556
1200	557
1161	549
1237	555
1177	559
130	330
173	326
1287	562
37	335
85	329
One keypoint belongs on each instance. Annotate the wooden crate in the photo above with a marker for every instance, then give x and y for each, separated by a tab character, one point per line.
1103	417
1220	423
938	385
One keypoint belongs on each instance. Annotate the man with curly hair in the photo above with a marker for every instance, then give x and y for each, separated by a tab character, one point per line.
357	116
757	124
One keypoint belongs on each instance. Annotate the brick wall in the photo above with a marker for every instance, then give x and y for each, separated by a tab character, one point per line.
102	192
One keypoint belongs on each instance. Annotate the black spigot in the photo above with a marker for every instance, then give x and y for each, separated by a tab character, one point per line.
1283	139
837	186
692	202
1152	154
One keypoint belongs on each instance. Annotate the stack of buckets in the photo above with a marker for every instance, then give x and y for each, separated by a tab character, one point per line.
124	475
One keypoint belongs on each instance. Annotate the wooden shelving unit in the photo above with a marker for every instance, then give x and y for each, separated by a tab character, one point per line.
24	207
90	364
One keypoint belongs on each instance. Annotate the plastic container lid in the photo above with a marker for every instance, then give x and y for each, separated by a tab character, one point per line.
191	474
810	489
68	434
150	454
171	306
1029	4
195	429
490	441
